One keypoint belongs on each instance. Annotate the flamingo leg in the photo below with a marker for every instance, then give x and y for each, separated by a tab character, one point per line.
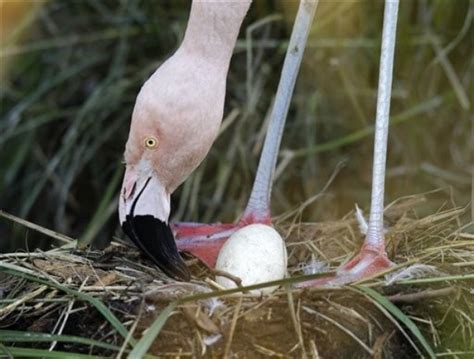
372	258
205	240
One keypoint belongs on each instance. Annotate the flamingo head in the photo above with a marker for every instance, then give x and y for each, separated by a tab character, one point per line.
175	120
156	163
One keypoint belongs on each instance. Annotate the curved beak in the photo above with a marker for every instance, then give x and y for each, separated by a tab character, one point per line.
144	210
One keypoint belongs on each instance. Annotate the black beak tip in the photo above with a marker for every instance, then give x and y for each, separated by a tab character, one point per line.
155	238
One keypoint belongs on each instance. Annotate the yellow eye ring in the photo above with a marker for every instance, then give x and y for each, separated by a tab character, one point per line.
151	142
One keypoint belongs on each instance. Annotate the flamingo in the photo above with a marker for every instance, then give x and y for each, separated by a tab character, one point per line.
176	119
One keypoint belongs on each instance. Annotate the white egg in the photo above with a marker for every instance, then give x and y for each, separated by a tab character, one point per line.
256	254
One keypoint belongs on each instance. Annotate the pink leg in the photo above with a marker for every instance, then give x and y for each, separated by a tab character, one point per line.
370	261
204	241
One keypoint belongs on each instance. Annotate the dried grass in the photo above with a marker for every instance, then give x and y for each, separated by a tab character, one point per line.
290	322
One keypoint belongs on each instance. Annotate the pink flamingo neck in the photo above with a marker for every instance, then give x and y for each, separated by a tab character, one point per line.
212	29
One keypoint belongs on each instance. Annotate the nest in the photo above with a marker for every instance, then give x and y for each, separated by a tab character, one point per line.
114	302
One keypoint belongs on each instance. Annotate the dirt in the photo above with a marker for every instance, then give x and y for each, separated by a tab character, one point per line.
265	328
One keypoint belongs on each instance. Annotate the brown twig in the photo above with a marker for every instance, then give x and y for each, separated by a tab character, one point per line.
425	294
221	273
232	328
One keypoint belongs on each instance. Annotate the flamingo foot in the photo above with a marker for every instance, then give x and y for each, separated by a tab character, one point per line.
370	261
205	241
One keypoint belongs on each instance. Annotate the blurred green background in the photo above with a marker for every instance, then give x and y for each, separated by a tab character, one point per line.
70	72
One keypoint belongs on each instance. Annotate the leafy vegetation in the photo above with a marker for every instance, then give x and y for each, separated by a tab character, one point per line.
72	82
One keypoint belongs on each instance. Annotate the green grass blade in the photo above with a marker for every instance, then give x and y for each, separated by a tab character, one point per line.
111	318
45	87
102	214
16	352
16	336
152	332
399	315
449	278
409	114
48	232
32	125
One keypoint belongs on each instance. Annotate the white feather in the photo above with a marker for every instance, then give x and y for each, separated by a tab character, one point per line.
212	339
412	272
363	226
362	222
314	267
212	304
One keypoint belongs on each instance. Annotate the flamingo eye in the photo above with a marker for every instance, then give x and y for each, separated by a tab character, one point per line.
151	142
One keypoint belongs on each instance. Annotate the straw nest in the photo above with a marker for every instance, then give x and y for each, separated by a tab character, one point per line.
113	302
